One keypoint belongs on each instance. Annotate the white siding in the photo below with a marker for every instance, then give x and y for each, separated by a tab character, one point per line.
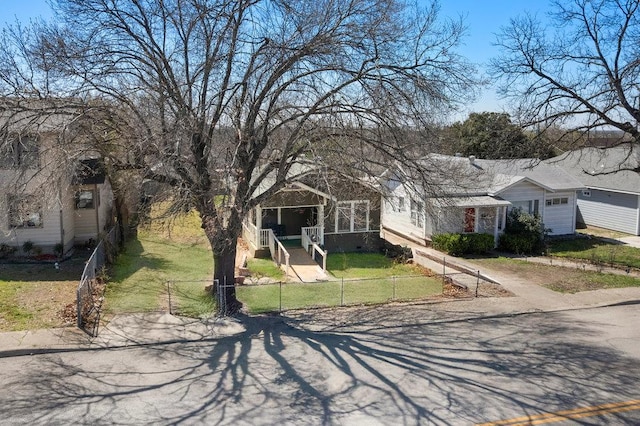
45	236
396	218
610	210
560	218
68	219
524	191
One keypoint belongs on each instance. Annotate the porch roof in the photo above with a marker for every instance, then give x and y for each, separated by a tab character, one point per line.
476	201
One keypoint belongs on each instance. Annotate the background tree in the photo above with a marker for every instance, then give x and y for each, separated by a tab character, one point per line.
580	72
219	99
492	135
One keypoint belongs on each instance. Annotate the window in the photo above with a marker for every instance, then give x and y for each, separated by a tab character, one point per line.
21	152
401	204
528	206
24	212
557	201
417	213
352	216
85	199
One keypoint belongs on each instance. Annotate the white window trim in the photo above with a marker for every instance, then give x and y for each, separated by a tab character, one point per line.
352	204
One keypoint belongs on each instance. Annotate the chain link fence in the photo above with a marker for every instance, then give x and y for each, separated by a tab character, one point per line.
88	294
281	296
198	298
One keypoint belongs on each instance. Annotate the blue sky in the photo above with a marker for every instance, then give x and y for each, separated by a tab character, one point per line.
483	19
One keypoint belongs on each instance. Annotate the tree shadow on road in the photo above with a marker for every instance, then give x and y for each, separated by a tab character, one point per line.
283	370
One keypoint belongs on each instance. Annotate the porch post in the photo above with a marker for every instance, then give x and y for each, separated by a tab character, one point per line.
320	223
495	227
476	219
258	220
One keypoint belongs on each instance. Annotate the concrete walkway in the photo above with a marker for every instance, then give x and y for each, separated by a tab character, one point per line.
159	327
304	268
528	296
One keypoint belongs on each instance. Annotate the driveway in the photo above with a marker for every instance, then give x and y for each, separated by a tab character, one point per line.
633	241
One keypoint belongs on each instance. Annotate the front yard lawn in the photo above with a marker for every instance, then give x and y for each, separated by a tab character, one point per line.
368	265
561	279
36	295
139	277
596	250
266	298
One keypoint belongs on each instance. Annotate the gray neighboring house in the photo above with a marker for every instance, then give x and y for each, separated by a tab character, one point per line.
611	199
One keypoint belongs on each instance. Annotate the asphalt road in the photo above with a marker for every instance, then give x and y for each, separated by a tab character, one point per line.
452	372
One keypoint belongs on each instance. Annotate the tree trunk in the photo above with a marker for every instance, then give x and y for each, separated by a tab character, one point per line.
224	262
224	242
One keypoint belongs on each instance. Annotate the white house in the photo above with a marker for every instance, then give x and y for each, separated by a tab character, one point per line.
44	201
470	195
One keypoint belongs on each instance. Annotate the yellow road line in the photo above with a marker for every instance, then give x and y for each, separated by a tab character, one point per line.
575	413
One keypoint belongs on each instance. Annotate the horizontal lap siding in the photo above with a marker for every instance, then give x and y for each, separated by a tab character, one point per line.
610	210
523	191
400	221
560	217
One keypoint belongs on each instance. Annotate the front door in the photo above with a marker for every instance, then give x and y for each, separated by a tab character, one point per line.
294	219
469	219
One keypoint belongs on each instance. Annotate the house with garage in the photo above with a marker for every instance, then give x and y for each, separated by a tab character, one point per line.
454	194
333	211
611	177
48	201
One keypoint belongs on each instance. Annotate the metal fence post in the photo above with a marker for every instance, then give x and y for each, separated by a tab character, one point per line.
342	292
444	269
394	287
477	283
280	308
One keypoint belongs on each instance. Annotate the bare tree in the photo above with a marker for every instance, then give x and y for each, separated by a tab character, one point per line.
580	71
217	98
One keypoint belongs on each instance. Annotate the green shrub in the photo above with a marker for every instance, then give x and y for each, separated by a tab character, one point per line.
7	250
524	233
459	244
480	243
58	249
516	243
27	246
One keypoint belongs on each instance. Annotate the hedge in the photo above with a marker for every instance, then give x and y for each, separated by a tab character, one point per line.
459	244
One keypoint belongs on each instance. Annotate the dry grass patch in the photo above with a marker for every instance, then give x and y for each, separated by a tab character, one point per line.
557	278
36	295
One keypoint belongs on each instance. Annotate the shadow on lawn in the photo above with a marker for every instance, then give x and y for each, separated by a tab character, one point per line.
279	371
68	270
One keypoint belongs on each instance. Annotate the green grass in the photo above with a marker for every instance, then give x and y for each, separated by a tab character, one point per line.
265	268
266	298
367	265
12	315
596	250
138	281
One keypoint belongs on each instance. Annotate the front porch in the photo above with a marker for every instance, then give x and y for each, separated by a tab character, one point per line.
292	236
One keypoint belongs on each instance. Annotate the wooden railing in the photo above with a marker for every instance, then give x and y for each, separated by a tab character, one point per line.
314	233
250	234
309	238
264	237
279	254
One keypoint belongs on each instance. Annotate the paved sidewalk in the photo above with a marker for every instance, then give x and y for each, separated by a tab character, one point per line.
121	331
